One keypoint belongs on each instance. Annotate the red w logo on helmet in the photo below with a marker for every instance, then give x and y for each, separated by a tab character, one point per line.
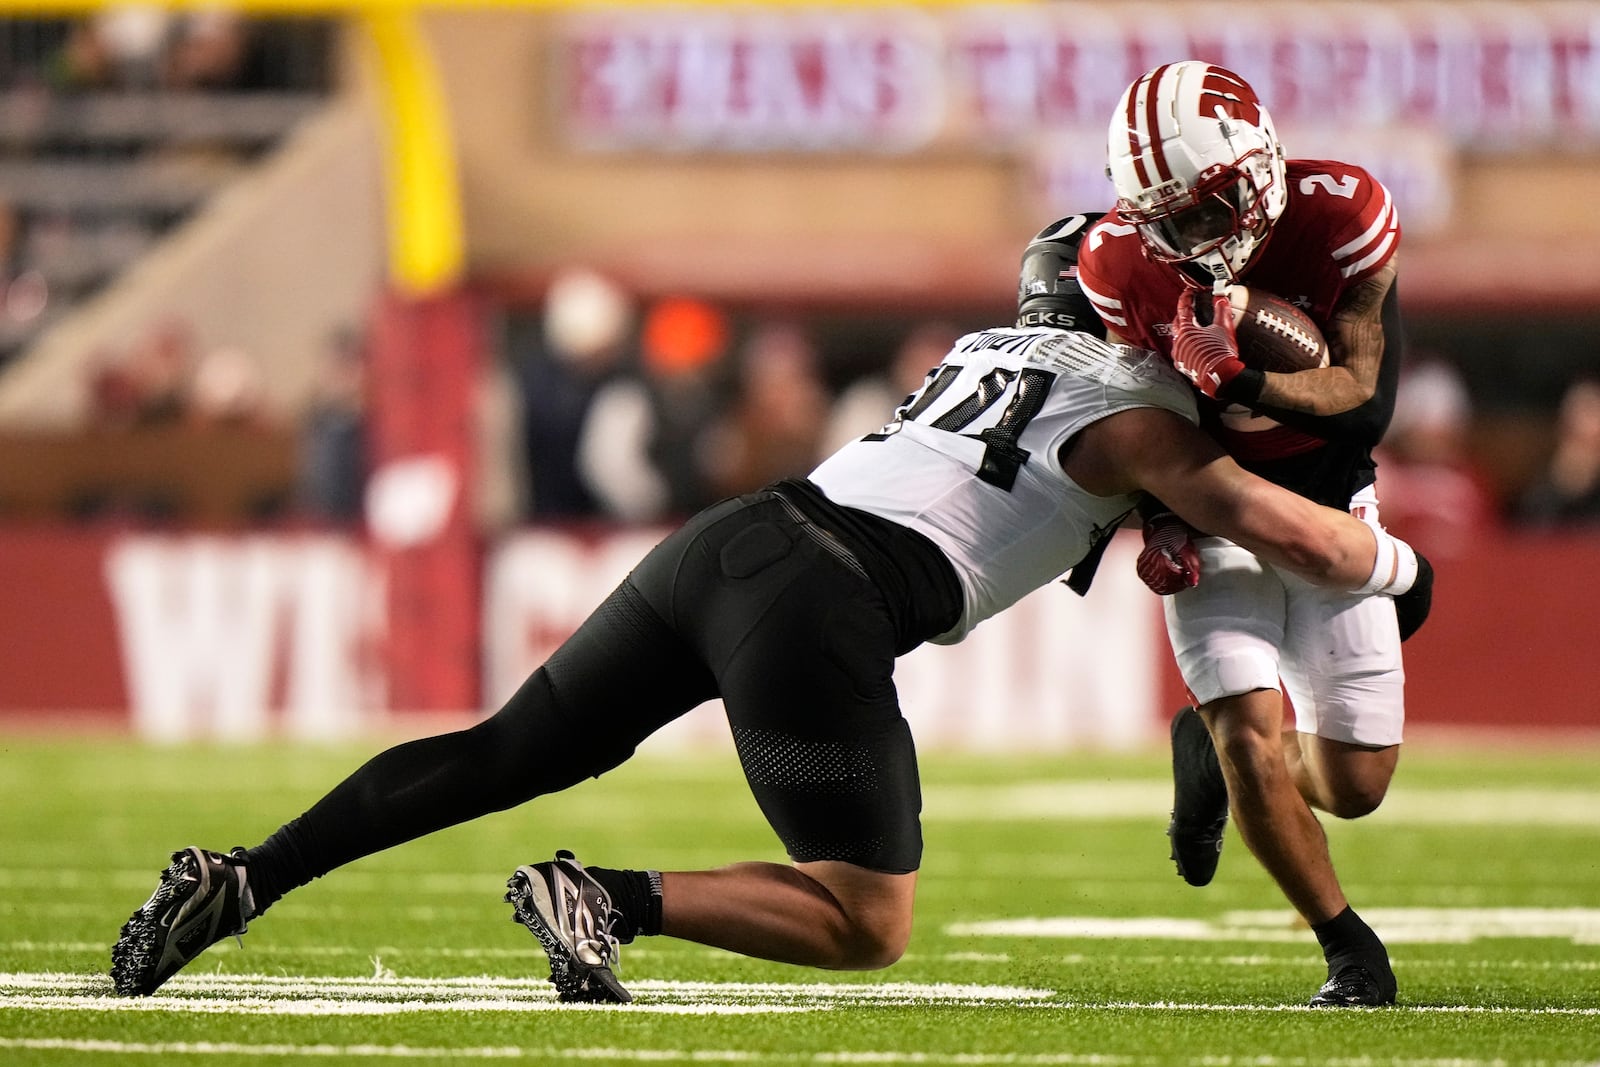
1225	91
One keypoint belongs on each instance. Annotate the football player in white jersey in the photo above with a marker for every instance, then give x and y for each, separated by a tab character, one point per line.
1024	448
1206	199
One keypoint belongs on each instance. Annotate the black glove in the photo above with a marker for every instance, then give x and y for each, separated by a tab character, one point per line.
1411	607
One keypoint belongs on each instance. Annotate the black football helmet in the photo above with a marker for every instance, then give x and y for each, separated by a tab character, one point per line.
1047	291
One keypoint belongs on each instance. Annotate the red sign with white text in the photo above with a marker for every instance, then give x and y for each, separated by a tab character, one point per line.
751	80
1482	74
239	637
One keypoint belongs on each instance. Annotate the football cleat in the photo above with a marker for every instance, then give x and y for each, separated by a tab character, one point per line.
571	915
1354	985
1199	801
201	899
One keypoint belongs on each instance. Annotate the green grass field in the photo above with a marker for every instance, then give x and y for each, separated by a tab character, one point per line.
1051	928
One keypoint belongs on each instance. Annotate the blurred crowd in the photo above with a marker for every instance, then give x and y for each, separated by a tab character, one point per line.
210	404
96	159
144	47
599	407
139	46
644	414
1436	486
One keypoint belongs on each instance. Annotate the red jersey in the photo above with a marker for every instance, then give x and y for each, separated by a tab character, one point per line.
1338	228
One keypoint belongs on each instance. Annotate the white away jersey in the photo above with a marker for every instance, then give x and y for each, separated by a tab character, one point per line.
972	460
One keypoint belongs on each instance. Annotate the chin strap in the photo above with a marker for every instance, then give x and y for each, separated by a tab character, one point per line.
1395	570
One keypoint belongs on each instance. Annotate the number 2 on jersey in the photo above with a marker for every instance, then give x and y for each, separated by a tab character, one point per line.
1345	186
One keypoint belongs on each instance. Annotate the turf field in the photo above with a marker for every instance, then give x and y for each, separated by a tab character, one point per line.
1051	927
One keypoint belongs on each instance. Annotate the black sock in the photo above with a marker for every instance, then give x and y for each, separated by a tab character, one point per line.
268	866
1347	938
637	897
401	794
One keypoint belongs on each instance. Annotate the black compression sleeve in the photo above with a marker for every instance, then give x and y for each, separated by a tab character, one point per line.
421	786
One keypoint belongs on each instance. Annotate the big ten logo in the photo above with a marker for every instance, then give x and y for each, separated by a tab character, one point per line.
228	638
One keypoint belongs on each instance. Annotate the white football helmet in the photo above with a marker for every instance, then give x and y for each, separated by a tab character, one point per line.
1197	168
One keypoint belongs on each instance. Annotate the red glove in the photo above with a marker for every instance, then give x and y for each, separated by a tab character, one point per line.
1207	355
1169	563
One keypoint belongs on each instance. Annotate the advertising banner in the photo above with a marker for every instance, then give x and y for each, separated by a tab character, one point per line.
236	638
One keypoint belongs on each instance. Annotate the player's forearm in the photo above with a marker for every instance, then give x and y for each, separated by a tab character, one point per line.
1354	399
1169	459
1322	545
1361	420
1324	391
1358	558
1358	337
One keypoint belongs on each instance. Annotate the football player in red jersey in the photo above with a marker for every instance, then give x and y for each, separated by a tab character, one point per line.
1206	199
1023	449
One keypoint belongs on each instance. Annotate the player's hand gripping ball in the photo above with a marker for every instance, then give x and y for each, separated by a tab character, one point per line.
1207	353
1246	329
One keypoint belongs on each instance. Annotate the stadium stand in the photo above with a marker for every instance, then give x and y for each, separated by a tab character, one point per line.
111	134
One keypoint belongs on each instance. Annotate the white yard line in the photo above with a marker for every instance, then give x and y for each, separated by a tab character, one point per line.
326	1006
257	994
1397	926
535	987
527	952
671	1055
1136	799
999	959
1420	1009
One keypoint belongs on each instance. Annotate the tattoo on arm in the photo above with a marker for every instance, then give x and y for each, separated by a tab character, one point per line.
1356	342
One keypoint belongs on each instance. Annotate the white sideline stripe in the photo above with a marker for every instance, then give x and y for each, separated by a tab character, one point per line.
1059	1059
323	1006
1407	965
231	1048
283	995
998	958
635	951
1153	800
667	1055
257	994
1423	1009
541	988
1451	926
256	948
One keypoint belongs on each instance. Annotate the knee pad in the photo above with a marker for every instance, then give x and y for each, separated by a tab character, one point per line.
1228	672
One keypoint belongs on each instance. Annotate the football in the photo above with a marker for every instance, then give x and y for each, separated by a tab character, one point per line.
1273	334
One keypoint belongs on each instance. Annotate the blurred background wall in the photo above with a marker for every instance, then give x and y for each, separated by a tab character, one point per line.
349	353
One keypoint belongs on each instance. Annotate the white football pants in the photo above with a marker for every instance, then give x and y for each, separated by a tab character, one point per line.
1247	625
